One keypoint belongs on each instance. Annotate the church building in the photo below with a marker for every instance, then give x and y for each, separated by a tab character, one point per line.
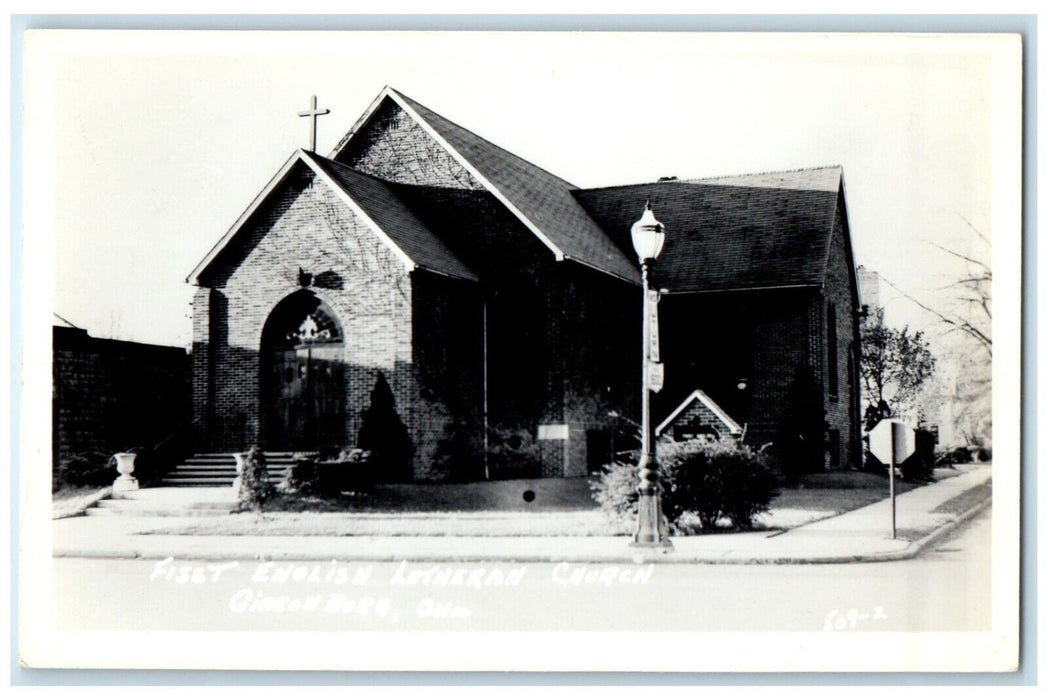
491	311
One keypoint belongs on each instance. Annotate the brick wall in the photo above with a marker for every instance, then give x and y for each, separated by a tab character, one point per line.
304	226
420	330
554	354
697	420
786	361
595	344
841	409
777	340
448	354
767	340
111	395
392	146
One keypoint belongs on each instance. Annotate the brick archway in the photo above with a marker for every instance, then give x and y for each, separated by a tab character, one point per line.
301	382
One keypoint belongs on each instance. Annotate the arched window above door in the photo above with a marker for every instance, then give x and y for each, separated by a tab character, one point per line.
301	319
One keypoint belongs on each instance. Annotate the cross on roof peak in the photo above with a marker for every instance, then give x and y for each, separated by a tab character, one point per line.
313	113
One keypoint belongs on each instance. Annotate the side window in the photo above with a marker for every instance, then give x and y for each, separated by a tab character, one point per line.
831	352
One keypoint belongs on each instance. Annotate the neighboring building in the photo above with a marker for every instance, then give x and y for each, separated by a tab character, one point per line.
497	307
113	395
869	286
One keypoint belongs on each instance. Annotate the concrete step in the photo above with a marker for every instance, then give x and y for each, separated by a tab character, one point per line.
231	463
228	457
227	480
214	473
219	469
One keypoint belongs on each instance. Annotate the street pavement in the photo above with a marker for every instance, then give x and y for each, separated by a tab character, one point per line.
946	589
860	535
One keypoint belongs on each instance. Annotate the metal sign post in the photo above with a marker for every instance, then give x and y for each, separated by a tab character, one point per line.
891	480
891	442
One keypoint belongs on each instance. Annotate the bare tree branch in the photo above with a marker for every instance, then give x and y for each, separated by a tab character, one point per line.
954	253
976	231
962	325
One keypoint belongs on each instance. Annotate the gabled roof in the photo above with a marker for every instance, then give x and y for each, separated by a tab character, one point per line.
389	213
827	179
700	396
60	322
541	200
741	232
372	201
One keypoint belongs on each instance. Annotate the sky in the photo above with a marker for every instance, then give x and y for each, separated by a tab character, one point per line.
148	146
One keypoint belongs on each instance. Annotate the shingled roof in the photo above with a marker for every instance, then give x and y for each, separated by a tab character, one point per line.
388	216
540	199
739	232
382	206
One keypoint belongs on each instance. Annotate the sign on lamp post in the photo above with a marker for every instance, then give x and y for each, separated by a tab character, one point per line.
892	442
653	325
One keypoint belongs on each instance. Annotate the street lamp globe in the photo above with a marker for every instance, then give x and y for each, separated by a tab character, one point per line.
648	234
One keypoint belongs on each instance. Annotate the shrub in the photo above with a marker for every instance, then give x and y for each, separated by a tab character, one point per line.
711	480
616	490
513	454
460	453
91	468
349	470
301	476
717	480
255	488
385	436
920	466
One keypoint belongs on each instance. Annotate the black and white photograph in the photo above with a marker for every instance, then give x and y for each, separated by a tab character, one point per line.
521	351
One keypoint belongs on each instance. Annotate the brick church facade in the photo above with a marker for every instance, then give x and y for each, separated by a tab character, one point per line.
496	308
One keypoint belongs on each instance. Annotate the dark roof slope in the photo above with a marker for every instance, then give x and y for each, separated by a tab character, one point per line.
380	203
720	236
543	198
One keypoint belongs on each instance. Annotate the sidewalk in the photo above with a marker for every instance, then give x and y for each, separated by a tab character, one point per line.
924	515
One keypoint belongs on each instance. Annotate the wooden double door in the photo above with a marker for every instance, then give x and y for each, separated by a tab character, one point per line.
305	398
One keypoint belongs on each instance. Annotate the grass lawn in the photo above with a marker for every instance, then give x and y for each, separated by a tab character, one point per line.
555	507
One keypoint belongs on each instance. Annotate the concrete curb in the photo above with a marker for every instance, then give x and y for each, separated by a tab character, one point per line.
626	557
912	550
948	527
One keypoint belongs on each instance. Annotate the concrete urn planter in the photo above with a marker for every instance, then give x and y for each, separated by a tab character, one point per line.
125	464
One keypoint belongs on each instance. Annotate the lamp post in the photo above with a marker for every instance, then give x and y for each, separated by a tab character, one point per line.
648	236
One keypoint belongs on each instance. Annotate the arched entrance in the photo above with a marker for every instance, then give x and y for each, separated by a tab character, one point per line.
302	387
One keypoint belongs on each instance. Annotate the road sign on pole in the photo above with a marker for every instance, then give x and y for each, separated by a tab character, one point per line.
892	438
656	376
892	442
653	325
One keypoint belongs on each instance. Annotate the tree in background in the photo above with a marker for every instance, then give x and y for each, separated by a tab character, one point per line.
894	366
966	317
